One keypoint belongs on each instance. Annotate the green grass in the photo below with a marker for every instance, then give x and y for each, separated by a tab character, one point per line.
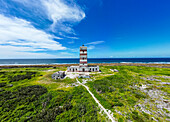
120	92
35	96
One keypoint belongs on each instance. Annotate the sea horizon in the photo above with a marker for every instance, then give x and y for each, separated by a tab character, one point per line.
76	61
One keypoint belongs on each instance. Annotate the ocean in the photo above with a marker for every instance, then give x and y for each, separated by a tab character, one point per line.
76	61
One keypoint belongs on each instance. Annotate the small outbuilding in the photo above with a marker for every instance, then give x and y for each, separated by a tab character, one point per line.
58	75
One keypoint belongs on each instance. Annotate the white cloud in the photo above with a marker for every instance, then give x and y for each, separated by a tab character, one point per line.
19	32
62	14
18	36
21	36
66	53
72	37
73	49
94	43
90	47
12	52
59	11
71	42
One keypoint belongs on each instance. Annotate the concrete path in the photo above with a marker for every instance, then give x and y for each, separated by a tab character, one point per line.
110	117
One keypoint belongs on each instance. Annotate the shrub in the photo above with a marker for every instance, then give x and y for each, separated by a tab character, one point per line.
25	96
2	84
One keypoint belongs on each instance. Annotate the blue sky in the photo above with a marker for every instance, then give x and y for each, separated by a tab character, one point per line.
109	28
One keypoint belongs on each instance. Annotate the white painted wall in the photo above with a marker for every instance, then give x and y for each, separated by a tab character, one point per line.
83	56
86	69
85	60
81	52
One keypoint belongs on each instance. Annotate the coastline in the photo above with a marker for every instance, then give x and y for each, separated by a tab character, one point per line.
160	65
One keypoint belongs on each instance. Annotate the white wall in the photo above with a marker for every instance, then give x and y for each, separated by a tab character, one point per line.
87	69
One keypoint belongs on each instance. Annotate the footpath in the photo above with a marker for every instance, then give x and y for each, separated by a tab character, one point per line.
101	107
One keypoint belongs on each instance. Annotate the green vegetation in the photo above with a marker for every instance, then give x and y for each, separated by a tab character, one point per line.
121	92
31	95
134	93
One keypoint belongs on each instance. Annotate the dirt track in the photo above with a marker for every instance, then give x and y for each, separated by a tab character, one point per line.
100	106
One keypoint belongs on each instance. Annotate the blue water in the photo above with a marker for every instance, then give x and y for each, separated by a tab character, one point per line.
90	60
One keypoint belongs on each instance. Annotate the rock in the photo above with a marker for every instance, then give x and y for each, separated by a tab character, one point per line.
165	83
112	70
73	84
60	106
150	79
115	70
84	81
29	117
83	76
10	85
168	120
90	79
154	119
166	101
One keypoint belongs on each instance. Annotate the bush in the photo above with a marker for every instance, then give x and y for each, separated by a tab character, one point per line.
18	77
136	116
2	84
11	102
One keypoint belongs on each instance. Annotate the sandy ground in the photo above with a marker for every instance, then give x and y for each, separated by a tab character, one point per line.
73	75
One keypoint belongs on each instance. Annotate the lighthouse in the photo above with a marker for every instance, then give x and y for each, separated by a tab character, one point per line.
83	66
83	59
83	56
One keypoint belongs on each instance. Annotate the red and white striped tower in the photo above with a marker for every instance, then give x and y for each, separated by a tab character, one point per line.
83	56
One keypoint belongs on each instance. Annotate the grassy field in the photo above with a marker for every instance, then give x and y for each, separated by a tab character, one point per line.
29	94
135	93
